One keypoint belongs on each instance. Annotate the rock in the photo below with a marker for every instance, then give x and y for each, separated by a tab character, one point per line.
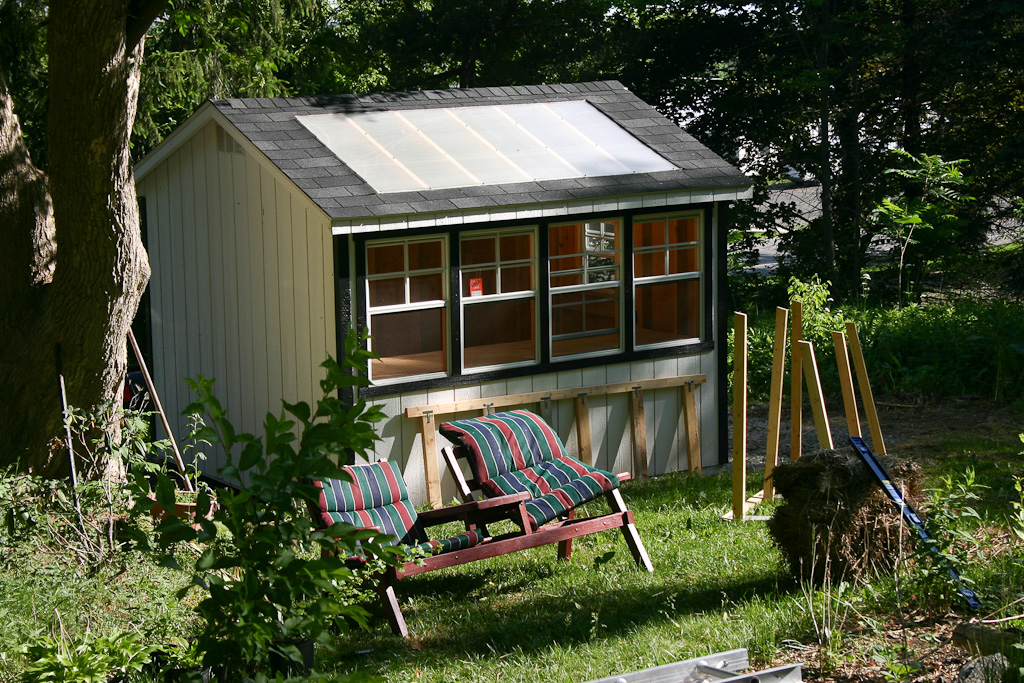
988	669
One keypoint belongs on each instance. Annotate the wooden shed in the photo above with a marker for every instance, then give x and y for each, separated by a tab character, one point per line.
494	241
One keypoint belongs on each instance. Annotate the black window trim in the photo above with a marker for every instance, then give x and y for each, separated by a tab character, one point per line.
545	364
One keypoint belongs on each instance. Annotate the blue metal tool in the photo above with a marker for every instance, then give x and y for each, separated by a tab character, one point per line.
911	516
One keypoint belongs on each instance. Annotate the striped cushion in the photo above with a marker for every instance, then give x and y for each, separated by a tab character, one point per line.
460	542
376	497
517	451
505	442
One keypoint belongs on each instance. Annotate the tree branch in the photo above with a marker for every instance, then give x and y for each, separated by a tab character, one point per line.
141	15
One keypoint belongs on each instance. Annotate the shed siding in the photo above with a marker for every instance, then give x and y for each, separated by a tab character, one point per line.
242	288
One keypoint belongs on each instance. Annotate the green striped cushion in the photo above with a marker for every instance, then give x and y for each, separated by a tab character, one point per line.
505	442
460	542
517	451
376	497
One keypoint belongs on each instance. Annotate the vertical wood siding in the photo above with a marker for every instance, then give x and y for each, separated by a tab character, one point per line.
242	288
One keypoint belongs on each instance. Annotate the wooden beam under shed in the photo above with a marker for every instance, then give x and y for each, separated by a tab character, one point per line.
639	427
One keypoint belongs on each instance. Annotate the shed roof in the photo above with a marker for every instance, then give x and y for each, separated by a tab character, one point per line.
274	126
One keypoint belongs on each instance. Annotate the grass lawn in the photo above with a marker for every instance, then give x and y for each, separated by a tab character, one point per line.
717	586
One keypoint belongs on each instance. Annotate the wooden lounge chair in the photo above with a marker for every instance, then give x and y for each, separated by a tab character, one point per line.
377	498
517	452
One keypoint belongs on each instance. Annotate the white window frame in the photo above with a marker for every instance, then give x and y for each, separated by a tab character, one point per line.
444	303
533	293
618	283
667	247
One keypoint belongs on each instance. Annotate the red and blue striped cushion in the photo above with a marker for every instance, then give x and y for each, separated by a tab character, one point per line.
517	451
376	497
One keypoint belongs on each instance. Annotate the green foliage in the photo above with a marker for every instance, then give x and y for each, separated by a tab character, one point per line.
85	659
924	222
268	577
950	517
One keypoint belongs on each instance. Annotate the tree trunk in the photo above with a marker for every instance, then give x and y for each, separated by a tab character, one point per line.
87	267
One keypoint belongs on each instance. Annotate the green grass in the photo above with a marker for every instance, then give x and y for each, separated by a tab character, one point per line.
530	617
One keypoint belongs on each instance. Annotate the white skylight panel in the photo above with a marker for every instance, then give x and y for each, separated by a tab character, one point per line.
407	150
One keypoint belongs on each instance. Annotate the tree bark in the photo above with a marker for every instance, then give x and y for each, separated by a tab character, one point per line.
87	267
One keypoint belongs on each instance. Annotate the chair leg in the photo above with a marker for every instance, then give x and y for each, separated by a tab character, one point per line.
386	590
629	533
565	547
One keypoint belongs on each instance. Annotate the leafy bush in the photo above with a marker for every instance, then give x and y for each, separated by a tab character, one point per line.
271	578
965	347
84	659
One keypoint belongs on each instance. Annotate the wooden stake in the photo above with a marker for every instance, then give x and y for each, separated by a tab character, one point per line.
430	468
866	397
817	397
583	429
846	382
639	434
160	410
775	401
691	425
739	416
796	384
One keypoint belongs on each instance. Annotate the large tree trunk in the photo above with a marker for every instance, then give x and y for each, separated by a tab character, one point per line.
73	266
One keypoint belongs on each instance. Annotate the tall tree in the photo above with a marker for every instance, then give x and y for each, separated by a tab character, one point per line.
73	267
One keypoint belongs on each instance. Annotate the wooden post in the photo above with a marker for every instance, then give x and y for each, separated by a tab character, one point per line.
583	429
796	384
775	401
739	416
691	424
545	409
816	395
430	468
866	396
846	382
639	425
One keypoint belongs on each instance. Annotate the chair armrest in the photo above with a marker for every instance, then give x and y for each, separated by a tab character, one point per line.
624	476
493	507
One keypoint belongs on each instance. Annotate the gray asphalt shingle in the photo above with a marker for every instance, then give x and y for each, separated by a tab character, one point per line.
271	125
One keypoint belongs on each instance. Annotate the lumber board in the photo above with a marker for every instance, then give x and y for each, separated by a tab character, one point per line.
639	427
553	395
430	469
796	396
866	396
846	383
739	415
583	445
691	423
821	425
775	401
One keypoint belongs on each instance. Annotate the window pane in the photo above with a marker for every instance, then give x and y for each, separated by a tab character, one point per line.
517	247
479	250
425	255
684	260
479	282
564	240
387	292
583	322
516	279
408	343
648	264
386	259
426	287
499	333
667	311
648	234
683	230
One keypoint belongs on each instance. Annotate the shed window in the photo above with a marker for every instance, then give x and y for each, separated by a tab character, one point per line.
667	279
499	298
586	285
406	298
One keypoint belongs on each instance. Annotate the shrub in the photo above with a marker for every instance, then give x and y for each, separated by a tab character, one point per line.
270	578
